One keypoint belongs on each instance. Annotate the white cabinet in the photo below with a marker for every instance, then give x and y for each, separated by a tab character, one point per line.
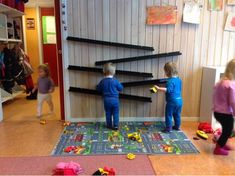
210	76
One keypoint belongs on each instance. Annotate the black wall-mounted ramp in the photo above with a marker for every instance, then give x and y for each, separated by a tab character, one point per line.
106	43
100	70
122	96
137	58
143	83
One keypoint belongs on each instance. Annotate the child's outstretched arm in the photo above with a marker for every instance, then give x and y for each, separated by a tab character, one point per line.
162	89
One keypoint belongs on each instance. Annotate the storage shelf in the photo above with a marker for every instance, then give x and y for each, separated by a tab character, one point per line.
14	40
10	12
16	91
3	39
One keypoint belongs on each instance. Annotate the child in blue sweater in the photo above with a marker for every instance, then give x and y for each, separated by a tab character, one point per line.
174	100
110	88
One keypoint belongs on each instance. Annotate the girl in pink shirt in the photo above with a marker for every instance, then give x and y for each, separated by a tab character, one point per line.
224	107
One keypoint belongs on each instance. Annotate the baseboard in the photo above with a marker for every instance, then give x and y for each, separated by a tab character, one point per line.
131	119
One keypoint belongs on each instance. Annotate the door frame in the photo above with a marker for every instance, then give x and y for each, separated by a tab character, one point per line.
57	7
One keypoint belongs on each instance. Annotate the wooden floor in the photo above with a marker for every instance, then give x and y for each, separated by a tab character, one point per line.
22	135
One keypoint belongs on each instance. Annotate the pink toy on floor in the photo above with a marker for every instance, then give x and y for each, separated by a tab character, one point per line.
70	168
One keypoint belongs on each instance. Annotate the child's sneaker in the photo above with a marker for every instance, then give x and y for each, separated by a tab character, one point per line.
115	128
220	151
176	128
167	130
227	147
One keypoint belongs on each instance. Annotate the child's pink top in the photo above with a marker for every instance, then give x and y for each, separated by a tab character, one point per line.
224	97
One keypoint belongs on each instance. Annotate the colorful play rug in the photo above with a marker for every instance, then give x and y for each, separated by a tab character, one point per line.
144	138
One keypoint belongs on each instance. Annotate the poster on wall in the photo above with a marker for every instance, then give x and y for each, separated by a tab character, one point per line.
230	23
215	5
30	23
231	2
49	30
161	15
192	13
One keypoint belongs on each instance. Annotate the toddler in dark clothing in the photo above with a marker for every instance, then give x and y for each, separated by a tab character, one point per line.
110	88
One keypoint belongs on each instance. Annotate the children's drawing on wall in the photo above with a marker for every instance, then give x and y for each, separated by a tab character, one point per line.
230	23
215	5
192	13
231	2
161	15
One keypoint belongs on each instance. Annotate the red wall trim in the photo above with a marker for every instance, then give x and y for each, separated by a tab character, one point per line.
60	62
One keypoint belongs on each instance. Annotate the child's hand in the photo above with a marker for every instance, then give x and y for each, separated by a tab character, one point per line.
51	90
157	87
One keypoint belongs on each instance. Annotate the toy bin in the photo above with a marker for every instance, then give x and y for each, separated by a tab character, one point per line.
20	6
3	1
11	3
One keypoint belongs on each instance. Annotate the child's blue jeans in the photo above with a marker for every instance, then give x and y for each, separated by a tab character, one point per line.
173	109
111	106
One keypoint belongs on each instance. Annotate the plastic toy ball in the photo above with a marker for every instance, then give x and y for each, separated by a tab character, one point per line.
130	156
43	122
202	134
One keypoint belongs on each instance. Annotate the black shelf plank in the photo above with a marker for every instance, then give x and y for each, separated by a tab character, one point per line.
100	70
137	58
101	42
146	82
122	96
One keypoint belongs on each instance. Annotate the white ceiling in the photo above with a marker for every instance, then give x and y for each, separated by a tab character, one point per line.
40	3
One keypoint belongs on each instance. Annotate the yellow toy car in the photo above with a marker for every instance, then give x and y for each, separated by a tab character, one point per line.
43	122
153	90
202	134
135	137
130	156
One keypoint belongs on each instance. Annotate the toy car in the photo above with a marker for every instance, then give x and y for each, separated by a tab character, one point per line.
130	156
135	137
104	171
202	134
69	149
43	122
153	90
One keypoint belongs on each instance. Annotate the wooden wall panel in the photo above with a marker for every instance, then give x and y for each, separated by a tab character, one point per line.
124	21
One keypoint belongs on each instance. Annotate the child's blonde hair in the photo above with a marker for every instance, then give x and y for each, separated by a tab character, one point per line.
45	68
230	70
170	69
109	69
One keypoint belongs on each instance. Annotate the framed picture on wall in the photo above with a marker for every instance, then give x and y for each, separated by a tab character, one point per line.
230	23
215	5
30	23
231	2
161	15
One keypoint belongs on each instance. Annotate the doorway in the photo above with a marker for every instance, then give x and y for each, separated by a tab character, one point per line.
41	46
49	43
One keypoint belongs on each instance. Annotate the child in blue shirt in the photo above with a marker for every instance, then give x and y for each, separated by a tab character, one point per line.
174	100
110	88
